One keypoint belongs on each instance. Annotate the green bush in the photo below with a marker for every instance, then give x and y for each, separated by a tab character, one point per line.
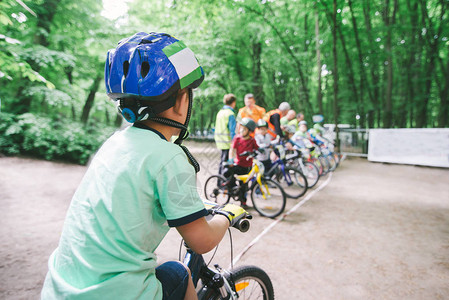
50	139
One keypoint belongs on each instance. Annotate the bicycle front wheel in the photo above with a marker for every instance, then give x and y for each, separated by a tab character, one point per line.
269	198
293	182
324	163
332	163
312	173
252	282
216	189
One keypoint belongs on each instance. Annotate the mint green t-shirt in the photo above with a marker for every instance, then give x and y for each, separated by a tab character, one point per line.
137	186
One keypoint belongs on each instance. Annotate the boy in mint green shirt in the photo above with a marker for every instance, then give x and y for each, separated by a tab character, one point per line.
138	185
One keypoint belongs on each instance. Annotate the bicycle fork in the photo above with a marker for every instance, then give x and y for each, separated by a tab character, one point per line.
211	279
263	187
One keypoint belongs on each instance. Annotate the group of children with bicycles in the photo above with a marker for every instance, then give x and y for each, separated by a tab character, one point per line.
259	131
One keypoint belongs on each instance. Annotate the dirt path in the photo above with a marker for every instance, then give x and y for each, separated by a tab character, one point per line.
376	231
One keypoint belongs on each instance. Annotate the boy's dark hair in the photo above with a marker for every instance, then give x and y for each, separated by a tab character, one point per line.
228	99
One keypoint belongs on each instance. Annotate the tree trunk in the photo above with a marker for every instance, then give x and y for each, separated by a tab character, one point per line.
238	67
44	21
257	74
421	118
444	102
350	69
375	113
335	72
412	66
389	23
319	94
90	99
363	76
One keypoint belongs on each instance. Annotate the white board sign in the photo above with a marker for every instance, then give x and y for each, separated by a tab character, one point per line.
420	146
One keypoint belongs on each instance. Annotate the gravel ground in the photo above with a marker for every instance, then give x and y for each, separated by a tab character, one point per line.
374	231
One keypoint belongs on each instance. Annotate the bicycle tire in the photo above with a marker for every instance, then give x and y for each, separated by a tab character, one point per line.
269	199
251	282
216	190
336	157
324	163
317	164
332	163
293	182
312	174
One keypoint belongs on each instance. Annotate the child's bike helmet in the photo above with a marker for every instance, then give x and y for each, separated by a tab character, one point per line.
262	123
248	123
145	72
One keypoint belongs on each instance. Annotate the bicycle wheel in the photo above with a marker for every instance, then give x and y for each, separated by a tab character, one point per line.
324	163
336	157
317	164
331	161
312	173
269	198
251	282
293	182
216	190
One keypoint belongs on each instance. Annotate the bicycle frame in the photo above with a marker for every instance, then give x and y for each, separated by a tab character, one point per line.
280	162
256	171
210	279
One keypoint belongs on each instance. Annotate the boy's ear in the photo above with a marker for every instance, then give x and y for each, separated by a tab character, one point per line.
181	100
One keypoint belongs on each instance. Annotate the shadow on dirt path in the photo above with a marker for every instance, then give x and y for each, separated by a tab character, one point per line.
376	231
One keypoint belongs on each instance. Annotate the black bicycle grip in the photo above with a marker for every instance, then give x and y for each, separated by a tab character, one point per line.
242	225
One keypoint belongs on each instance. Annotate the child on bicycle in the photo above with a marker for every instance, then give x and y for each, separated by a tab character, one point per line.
243	142
138	185
264	141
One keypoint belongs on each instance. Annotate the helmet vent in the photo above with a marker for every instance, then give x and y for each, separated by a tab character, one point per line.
125	67
144	69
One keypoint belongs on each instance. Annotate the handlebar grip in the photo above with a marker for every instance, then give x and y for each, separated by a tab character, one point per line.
242	225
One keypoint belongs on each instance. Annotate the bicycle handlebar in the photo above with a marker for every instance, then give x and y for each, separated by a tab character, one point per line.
250	153
242	225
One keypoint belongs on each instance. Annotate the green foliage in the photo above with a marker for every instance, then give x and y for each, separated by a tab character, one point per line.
392	62
43	137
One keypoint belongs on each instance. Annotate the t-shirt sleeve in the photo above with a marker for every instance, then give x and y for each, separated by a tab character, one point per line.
177	192
231	125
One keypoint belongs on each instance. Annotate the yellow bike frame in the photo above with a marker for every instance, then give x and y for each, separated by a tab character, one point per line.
255	171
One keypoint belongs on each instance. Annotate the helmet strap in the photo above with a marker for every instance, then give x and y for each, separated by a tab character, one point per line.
184	131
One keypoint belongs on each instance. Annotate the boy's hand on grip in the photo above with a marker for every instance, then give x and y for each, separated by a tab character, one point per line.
233	212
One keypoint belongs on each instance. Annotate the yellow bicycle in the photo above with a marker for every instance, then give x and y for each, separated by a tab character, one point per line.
267	196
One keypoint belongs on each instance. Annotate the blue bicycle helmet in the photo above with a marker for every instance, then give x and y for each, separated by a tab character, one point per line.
146	69
144	75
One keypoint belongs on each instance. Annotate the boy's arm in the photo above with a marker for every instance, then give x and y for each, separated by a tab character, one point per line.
231	153
201	235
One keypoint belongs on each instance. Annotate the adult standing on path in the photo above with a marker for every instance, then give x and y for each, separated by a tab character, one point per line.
251	110
225	128
273	118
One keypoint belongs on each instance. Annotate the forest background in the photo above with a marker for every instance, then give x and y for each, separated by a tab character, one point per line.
367	63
